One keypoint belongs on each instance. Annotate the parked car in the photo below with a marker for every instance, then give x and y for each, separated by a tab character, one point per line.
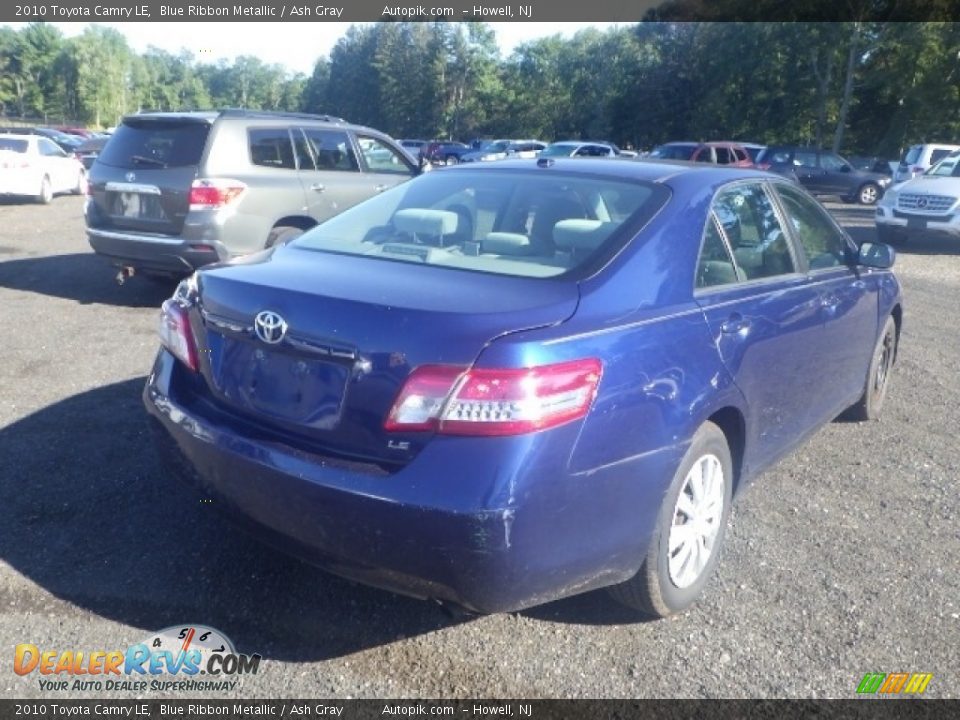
753	150
575	148
414	147
824	173
173	191
34	166
716	153
873	163
927	204
502	149
917	159
67	143
90	148
444	152
509	382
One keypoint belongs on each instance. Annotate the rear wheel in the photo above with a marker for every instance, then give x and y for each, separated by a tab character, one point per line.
451	160
869	406
282	234
46	192
868	194
685	547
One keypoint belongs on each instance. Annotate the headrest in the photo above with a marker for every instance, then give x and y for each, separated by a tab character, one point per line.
425	222
581	234
504	243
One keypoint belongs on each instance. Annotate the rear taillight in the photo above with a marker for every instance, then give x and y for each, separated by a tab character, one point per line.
214	193
484	401
916	169
175	333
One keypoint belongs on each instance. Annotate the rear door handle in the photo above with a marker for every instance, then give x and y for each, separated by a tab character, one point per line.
734	324
318	187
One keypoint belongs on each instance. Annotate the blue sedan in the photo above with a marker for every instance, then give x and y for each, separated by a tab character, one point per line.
504	384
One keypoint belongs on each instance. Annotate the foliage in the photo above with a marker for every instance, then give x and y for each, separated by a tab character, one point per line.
871	85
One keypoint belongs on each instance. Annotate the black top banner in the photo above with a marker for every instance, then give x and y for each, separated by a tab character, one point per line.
626	11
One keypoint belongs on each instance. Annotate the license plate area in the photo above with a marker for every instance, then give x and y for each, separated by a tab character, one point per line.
136	206
282	385
917	223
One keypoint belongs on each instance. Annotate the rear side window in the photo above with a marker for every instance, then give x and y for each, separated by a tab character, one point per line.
723	156
674	152
143	143
716	266
774	156
11	145
272	147
805	158
753	231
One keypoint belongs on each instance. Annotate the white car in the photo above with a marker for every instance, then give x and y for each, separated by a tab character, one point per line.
930	203
34	166
920	158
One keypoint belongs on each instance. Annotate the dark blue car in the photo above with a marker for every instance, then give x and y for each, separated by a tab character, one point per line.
503	384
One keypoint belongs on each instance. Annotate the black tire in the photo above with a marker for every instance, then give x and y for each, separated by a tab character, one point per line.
451	160
652	590
868	194
870	404
45	197
282	234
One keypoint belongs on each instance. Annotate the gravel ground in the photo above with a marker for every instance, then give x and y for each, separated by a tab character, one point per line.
841	560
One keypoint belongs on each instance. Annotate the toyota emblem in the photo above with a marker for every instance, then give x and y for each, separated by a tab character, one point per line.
270	327
130	176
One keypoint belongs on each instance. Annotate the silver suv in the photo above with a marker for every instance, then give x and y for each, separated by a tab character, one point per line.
173	191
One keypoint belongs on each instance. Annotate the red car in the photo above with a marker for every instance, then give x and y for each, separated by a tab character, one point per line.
716	153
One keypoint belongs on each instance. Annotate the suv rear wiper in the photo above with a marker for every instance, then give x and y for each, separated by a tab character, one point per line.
147	160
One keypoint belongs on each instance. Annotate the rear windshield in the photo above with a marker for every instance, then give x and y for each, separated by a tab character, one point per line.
558	150
150	143
529	224
912	155
673	152
17	146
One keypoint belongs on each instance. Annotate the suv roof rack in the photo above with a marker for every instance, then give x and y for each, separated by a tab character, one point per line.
243	112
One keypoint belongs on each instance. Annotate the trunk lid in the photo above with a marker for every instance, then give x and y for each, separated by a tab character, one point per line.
354	330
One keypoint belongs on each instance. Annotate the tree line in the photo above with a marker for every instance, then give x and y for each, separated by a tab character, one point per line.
859	87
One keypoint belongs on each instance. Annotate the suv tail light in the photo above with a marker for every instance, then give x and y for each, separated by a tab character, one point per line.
483	401
214	193
175	333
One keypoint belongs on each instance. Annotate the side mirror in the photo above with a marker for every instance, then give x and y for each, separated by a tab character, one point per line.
876	255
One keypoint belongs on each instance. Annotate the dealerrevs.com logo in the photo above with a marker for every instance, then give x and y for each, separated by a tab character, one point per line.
178	658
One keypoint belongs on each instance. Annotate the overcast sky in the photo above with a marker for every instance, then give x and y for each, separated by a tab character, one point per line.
295	45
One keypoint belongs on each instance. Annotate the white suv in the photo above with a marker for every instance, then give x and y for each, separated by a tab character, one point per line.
920	158
928	203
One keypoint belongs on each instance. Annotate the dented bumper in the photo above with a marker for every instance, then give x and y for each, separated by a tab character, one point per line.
488	524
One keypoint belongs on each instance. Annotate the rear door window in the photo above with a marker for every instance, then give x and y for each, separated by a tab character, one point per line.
753	231
723	156
150	143
381	158
12	145
272	147
332	150
938	155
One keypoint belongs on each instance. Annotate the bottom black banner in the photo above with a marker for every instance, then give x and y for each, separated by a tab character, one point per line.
473	709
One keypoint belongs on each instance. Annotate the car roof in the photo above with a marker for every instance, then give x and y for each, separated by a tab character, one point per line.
640	169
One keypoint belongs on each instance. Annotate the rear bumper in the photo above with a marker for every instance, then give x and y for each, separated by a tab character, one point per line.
488	524
155	253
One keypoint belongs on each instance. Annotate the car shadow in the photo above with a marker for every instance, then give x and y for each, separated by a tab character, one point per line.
592	608
82	277
86	514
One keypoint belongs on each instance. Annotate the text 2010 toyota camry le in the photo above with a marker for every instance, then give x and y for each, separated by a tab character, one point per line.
496	386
